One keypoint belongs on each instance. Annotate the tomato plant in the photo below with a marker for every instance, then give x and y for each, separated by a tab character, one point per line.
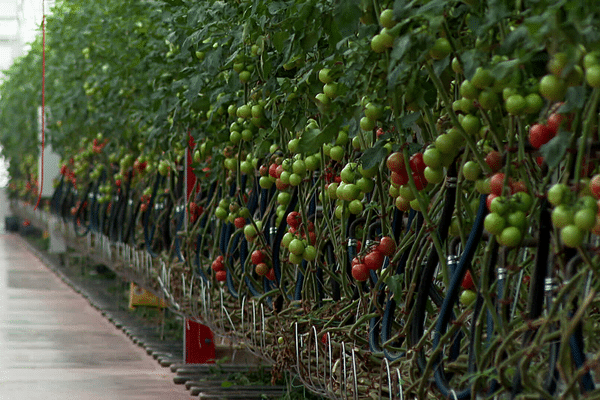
312	127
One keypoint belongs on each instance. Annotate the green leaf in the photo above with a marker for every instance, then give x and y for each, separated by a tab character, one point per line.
347	17
433	8
502	69
554	151
574	100
400	9
310	39
279	39
440	65
469	62
226	384
401	46
373	155
514	39
311	141
408	120
394	282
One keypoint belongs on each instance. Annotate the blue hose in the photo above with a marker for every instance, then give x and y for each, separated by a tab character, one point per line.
445	314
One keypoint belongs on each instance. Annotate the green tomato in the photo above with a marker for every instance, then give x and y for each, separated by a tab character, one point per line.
324	75
467	297
483	186
488	99
386	18
406	192
585	219
522	201
432	157
299	167
342	138
558	193
468	90
483	78
250	231
534	103
366	185
456	66
283	198
471	124
295	179
368	173
285	177
367	124
562	215
434	175
592	76
244	111
441	48
515	104
341	212
499	205
287	239
572	236
296	247
510	236
471	171
517	219
494	223
381	42
552	88
332	190
310	253
355	207
245	76
312	163
373	112
337	153
330	90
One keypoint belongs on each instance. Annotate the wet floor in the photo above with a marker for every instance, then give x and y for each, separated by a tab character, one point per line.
54	345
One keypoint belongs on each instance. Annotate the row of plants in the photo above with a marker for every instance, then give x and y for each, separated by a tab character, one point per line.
416	180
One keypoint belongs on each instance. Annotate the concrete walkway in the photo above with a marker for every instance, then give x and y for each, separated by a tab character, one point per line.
54	345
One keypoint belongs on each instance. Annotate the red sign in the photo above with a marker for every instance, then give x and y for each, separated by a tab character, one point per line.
199	344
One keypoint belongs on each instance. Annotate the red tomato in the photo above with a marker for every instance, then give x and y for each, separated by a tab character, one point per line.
386	246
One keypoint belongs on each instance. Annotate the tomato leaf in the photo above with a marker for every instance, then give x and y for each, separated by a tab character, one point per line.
408	120
440	65
373	155
347	17
394	282
554	151
311	141
469	62
516	38
400	9
401	46
574	100
279	39
502	69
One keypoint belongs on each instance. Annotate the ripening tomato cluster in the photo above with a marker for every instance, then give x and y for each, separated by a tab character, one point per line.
195	211
575	211
262	264
300	245
542	133
373	259
509	208
218	266
399	179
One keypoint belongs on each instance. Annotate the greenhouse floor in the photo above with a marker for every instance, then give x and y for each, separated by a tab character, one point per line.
54	345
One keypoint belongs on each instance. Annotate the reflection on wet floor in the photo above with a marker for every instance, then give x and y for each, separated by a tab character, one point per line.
54	345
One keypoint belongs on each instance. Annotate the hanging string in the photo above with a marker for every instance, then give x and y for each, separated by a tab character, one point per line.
43	118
